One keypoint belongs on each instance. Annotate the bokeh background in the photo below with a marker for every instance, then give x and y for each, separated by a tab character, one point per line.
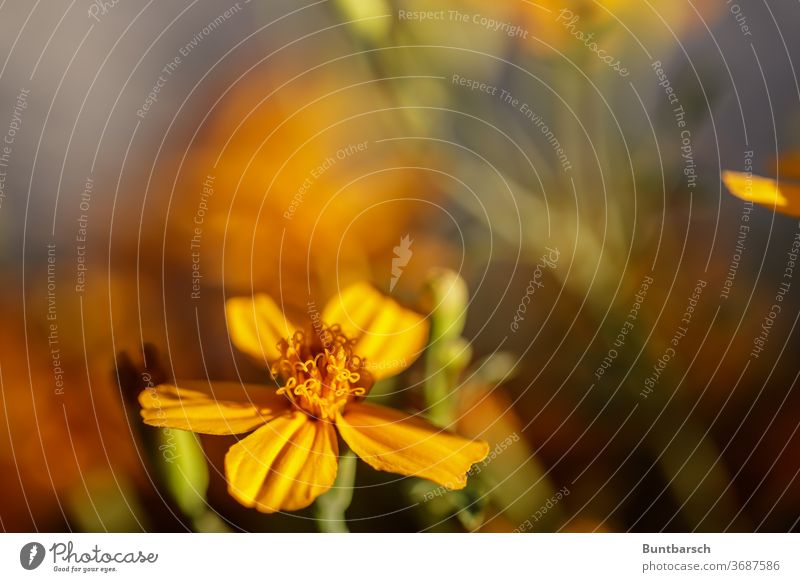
161	157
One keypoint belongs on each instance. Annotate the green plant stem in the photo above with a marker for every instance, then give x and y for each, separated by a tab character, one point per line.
331	507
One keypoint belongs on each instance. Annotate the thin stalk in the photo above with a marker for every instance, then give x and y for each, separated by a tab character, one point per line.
331	507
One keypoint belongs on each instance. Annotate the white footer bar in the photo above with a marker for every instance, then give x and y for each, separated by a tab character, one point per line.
416	558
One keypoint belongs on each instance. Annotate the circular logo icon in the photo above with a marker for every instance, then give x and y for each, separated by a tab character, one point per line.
31	555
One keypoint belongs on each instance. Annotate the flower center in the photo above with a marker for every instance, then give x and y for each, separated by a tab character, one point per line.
320	372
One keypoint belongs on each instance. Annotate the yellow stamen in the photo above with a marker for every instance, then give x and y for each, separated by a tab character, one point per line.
320	373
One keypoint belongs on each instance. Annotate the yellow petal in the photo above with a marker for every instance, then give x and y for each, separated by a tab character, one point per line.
389	440
783	197
390	337
218	408
256	325
284	465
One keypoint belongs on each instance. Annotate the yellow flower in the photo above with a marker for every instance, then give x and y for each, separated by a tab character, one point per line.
326	369
783	196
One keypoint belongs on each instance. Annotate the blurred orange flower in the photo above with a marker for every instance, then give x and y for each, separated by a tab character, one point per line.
296	169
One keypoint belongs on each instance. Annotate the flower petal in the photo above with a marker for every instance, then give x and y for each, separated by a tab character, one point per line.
218	408
284	465
389	440
256	325
390	337
783	197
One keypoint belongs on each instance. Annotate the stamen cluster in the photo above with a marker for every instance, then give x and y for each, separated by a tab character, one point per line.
320	372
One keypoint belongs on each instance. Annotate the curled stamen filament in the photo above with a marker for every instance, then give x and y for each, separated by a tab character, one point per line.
320	372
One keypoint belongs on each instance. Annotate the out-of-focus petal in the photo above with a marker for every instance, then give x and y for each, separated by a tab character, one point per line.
256	325
783	197
216	408
389	440
283	466
390	337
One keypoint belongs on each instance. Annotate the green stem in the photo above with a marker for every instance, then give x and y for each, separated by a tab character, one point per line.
444	364
448	354
331	507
